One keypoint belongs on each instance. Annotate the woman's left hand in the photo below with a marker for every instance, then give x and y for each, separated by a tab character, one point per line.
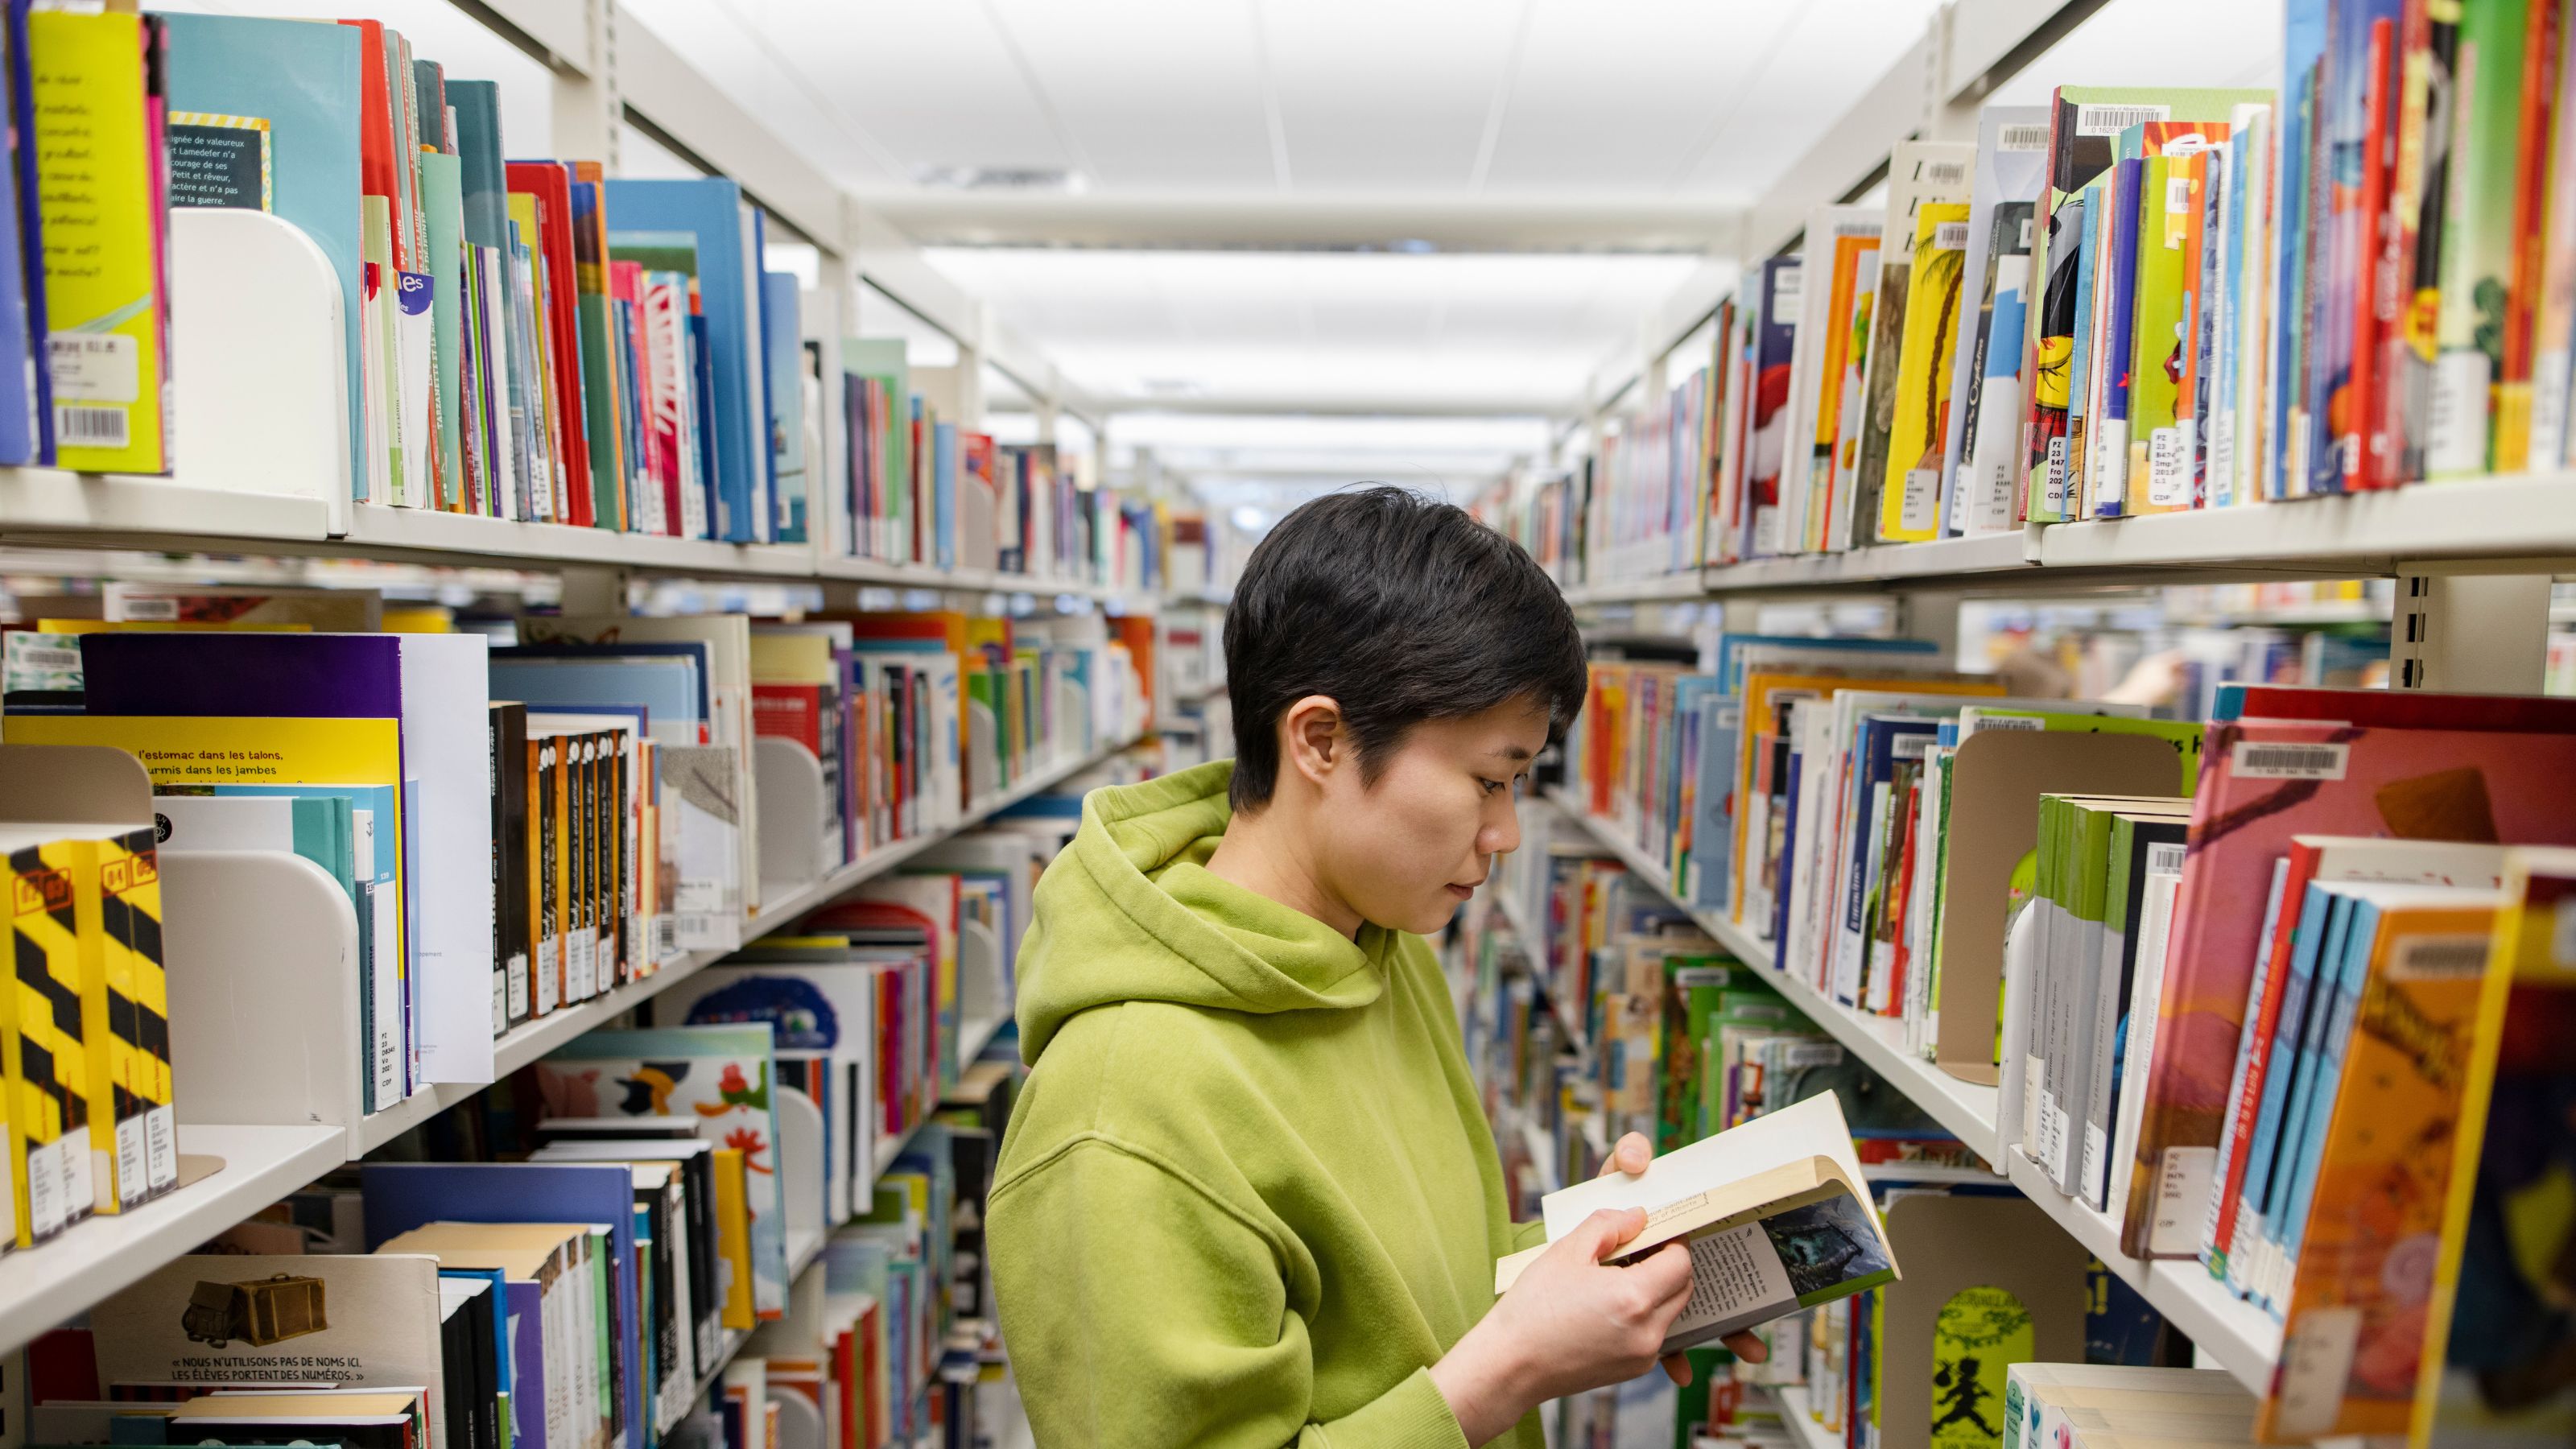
1630	1156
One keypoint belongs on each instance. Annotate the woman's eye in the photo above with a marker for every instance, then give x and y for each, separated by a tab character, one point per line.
1492	786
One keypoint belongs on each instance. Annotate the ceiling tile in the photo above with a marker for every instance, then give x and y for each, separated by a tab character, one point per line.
1384	93
1155	93
1612	96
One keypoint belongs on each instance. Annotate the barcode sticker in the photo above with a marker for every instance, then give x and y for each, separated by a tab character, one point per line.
1909	747
2024	243
2177	198
2165	858
1987	722
1786	286
85	426
1813	1054
2112	120
2418	958
1950	236
2315	1369
2323	761
1943	173
2021	138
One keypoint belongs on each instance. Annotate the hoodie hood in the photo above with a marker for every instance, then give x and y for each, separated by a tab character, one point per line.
1130	912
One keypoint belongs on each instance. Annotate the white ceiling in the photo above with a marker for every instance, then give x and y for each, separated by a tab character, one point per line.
1704	98
1253	175
1338	331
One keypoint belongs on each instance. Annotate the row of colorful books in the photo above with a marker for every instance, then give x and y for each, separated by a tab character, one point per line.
2138	300
524	828
2186	952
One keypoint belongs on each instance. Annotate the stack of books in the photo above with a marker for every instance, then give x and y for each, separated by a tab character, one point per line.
86	1105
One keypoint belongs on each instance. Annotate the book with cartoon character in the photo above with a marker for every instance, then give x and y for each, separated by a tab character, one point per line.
721	1075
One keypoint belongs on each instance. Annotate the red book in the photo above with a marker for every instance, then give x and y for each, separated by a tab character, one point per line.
2371	461
2398	708
546	181
789	712
378	156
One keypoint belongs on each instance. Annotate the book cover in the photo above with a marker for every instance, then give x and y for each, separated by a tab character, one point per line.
1920	174
99	216
1775	335
711	209
237	1321
52	1107
2375	1183
1910	491
1776	1213
2003	192
2493	1324
2264	782
722	1074
2482	180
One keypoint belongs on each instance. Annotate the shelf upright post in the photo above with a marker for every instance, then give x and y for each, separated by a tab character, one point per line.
2468	633
1932	615
589	115
595	589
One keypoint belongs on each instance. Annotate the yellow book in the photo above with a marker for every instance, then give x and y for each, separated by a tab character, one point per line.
733	1237
53	905
137	1035
1909	505
215	750
103	300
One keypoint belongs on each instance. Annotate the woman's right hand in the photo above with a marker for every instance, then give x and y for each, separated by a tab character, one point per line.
1570	1322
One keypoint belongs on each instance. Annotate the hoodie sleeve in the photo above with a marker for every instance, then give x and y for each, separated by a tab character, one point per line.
1528	1235
1140	1310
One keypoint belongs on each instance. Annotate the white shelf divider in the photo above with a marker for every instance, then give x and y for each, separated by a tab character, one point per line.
1799	1415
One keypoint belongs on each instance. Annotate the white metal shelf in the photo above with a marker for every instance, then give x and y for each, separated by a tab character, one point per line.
536	1038
93	1260
2522	523
1799	1415
2235	1334
50	508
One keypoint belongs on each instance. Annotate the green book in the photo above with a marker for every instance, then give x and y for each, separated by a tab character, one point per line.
443	201
2477	238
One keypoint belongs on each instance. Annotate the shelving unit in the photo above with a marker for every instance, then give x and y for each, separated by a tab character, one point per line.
2235	1335
535	1039
2521	523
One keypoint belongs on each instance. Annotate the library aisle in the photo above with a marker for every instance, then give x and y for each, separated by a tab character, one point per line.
567	567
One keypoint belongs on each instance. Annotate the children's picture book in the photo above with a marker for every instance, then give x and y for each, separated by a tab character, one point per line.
723	1075
1776	1215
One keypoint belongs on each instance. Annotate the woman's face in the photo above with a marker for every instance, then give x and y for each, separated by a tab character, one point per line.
1406	851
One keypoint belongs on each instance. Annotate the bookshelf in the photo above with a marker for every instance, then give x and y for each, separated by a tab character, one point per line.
1800	1417
42	1286
2234	1334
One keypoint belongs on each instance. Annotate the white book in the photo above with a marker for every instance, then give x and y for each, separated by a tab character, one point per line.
1776	1214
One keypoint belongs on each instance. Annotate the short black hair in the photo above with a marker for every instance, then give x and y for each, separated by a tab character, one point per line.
1399	607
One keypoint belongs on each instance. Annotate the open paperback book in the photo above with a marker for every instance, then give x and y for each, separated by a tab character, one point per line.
1775	1213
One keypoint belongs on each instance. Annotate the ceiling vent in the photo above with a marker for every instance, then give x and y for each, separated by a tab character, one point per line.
1056	179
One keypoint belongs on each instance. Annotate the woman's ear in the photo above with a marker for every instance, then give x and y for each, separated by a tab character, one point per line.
1311	738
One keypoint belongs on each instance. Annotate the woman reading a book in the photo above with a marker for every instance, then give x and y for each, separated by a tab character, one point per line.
1249	1196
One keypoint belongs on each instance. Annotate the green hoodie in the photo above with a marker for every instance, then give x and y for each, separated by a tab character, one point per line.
1248	1195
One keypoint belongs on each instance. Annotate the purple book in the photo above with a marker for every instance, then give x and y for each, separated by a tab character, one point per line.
327	676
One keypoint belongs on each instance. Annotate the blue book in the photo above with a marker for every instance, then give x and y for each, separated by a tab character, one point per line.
784	368
2082	218
22	332
666	690
2302	1069
943	492
2303	52
22	116
401	1196
1877	750
1788	836
1713	824
713	209
703	391
756	267
2339	1002
2307	943
302	78
2109	434
697	652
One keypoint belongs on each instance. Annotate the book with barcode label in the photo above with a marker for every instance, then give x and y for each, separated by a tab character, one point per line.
1775	1215
2084	125
2367	1157
1910	496
2498	774
1921	174
1978	475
